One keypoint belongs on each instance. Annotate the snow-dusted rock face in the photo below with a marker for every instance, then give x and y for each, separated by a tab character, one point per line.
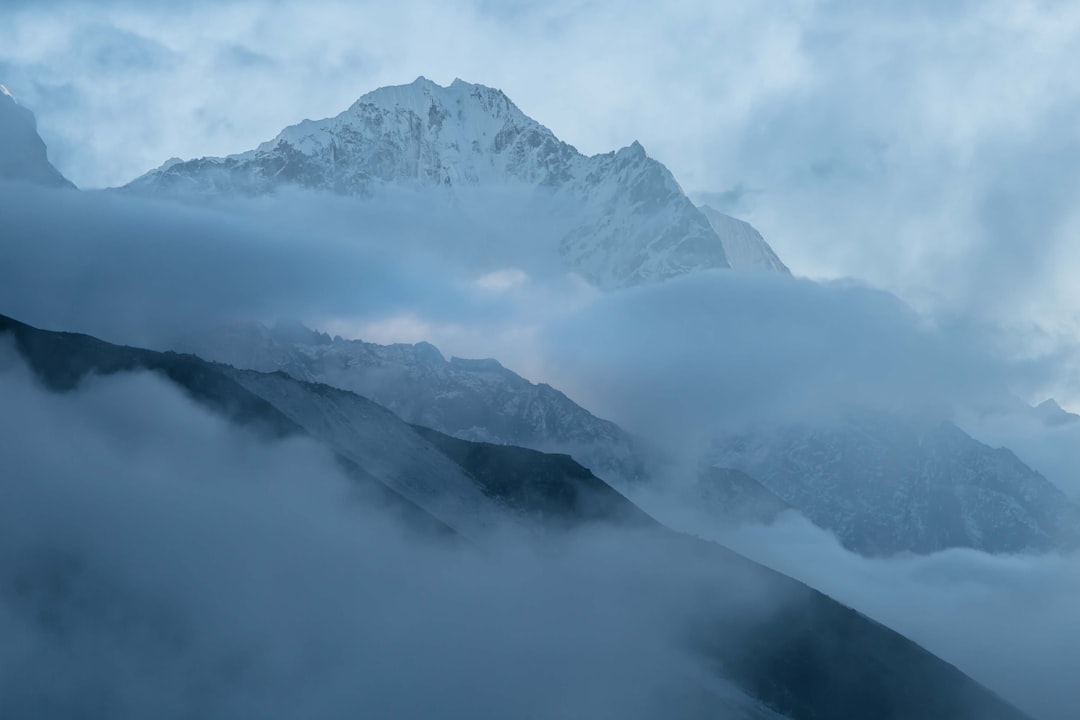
623	219
884	485
744	247
22	151
477	400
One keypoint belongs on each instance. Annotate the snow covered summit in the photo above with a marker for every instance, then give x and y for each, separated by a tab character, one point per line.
622	218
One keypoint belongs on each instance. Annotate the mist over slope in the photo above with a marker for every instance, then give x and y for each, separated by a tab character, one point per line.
472	399
743	636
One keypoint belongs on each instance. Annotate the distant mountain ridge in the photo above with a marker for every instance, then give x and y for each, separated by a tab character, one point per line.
622	218
875	479
1052	414
885	485
23	155
476	400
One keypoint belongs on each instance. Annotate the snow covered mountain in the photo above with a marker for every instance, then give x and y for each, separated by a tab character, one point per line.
23	154
885	485
618	218
744	247
477	400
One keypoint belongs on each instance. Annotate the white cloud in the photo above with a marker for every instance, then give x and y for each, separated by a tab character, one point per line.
499	281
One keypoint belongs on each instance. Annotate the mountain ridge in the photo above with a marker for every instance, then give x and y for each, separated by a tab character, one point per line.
477	400
886	484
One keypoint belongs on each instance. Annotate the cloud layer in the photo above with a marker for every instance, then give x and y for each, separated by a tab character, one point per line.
696	351
157	562
1008	621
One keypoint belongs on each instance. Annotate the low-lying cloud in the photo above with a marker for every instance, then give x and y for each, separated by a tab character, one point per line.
1010	622
157	562
698	348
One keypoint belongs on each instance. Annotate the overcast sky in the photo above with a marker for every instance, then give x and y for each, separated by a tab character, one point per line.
932	149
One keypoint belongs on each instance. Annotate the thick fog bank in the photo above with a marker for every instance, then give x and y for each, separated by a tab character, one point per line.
156	562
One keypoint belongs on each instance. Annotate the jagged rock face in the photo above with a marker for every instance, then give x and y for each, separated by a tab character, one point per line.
885	486
743	245
622	218
23	154
477	400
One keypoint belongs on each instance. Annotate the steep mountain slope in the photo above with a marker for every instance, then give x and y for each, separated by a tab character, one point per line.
469	399
63	360
22	151
618	219
744	247
458	484
884	485
778	641
553	487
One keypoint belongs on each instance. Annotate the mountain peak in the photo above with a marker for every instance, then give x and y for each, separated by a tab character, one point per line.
1051	413
23	155
421	92
622	220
